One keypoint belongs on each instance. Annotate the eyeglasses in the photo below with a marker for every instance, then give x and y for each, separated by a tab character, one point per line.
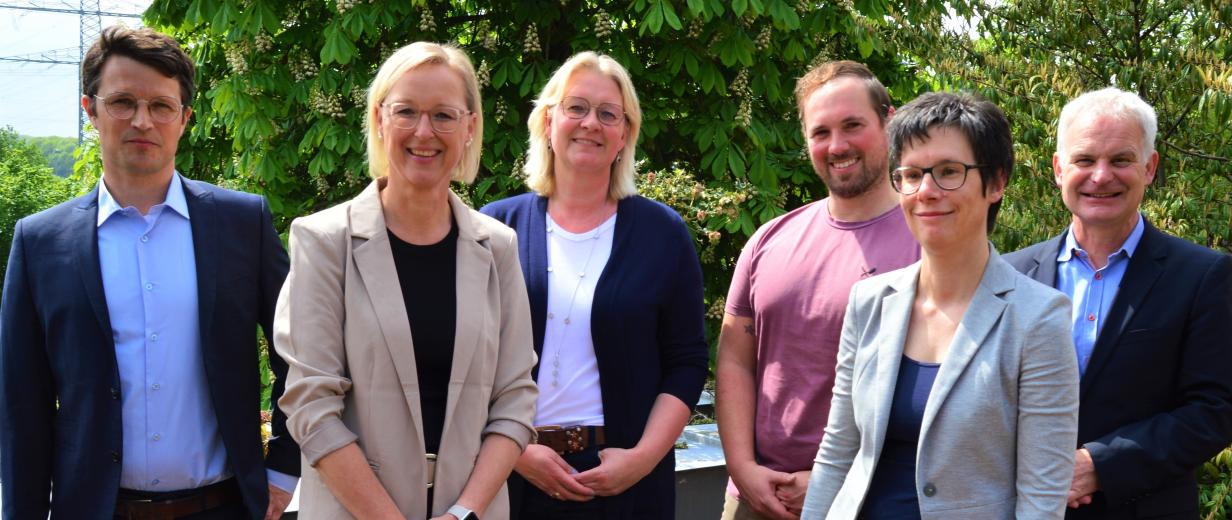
443	119
162	109
609	114
947	176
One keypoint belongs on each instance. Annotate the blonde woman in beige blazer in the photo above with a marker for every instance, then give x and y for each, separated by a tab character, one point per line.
956	391
360	385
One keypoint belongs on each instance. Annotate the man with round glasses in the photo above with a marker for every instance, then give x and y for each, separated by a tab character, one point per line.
129	380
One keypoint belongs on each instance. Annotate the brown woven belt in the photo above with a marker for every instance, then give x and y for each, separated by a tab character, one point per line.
571	439
177	505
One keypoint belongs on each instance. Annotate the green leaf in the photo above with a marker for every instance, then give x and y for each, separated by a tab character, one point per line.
498	75
739	6
690	63
696	7
669	14
654	18
735	161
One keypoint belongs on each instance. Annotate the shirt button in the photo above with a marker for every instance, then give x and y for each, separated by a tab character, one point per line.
1090	317
154	482
550	316
153	337
156	386
115	456
149	286
115	393
145	238
156	437
930	489
1099	276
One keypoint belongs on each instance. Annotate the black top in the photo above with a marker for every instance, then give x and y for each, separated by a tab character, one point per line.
427	277
891	494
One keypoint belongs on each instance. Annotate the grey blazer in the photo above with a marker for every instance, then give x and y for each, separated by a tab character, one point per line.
997	439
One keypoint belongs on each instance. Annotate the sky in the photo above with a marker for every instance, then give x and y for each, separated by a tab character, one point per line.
39	99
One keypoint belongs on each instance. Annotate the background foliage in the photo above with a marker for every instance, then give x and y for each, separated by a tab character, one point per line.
58	151
27	185
280	106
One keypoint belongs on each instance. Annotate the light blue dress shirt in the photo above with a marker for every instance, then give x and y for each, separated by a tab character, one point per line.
171	437
1092	290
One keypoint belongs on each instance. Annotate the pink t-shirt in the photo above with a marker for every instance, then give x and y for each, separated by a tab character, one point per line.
793	279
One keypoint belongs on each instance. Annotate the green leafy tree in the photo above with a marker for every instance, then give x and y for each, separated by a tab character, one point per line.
58	151
281	104
27	185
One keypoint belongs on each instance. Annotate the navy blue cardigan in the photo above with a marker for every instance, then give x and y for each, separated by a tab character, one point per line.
646	324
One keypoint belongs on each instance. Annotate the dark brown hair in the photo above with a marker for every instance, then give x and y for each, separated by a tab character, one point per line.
829	71
144	45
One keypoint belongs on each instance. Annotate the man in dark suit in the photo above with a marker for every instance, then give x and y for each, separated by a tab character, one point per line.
129	381
1152	321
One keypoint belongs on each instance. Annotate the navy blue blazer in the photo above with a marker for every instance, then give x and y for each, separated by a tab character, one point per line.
1155	401
646	324
60	431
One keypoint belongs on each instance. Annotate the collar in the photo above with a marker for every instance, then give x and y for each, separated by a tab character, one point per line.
108	205
1128	247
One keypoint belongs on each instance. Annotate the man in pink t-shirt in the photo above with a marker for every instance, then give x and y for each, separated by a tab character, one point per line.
779	340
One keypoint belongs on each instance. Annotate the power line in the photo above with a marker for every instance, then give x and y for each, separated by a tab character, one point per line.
82	11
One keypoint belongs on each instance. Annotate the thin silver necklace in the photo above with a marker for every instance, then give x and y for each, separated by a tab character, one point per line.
594	242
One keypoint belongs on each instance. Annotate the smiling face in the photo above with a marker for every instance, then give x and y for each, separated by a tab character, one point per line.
585	145
938	218
1103	172
845	136
138	147
419	157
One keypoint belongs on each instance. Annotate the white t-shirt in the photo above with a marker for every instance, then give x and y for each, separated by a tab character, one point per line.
569	391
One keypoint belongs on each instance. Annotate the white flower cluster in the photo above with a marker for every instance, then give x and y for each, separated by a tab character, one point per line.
344	5
763	38
263	42
359	95
695	28
426	22
329	106
303	67
803	6
322	184
740	88
531	44
236	57
519	168
500	110
603	24
488	40
484	74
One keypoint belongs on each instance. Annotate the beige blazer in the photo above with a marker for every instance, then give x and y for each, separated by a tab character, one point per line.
341	325
998	433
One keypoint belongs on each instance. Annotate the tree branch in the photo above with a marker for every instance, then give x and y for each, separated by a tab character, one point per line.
1195	153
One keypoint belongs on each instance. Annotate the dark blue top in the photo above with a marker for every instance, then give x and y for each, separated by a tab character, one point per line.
892	491
646	322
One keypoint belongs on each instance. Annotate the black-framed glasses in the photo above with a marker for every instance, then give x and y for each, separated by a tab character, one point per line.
444	119
949	175
609	114
163	109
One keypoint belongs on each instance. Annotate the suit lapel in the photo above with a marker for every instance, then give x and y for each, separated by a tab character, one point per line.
374	259
85	241
203	219
895	319
536	257
474	266
1140	275
983	312
1045	270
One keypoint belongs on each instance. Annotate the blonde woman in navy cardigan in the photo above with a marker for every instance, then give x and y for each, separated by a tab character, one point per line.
616	306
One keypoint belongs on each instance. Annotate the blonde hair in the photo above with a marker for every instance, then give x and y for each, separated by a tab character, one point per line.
539	160
404	60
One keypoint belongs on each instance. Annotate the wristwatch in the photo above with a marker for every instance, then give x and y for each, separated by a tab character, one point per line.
462	512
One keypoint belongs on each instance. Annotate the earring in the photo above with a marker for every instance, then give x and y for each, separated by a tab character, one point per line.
380	135
549	146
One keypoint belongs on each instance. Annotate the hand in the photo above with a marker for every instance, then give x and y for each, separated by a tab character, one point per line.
757	485
543	468
791	494
278	501
618	470
1085	482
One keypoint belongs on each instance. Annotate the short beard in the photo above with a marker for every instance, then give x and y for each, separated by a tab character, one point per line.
853	188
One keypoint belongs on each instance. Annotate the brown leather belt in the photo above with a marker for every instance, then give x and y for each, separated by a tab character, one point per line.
140	505
570	439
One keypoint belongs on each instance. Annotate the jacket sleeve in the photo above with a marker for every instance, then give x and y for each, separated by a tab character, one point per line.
283	455
308	328
1143	456
683	352
841	441
27	398
1047	413
512	409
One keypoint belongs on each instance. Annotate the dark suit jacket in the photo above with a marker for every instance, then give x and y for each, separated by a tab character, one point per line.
1156	397
60	411
646	324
